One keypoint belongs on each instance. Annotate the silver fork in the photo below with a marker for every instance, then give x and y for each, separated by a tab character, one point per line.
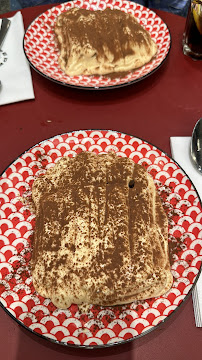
5	24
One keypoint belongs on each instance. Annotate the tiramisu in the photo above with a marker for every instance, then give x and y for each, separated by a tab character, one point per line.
101	234
102	42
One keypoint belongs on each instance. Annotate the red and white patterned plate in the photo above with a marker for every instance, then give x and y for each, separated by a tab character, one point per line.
101	326
42	53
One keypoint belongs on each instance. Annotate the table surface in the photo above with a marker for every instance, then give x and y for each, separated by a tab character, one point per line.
167	103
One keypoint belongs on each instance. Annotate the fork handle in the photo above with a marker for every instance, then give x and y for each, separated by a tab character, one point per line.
3	31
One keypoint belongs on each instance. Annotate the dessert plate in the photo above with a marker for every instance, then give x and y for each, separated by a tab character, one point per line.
42	53
100	326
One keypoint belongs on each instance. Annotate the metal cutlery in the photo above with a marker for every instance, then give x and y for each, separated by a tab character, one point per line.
196	146
5	24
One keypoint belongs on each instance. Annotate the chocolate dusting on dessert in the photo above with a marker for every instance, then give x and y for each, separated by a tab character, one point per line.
101	234
109	26
176	245
102	42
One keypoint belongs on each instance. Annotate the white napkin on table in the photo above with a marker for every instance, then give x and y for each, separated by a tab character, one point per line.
180	148
15	72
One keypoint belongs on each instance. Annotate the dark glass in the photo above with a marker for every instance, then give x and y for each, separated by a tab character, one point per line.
192	38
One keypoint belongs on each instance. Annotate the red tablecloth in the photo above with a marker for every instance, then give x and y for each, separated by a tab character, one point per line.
167	103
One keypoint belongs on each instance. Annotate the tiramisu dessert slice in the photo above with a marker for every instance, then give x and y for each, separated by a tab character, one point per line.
101	234
101	42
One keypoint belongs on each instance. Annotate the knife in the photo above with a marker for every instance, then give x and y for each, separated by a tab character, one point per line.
3	31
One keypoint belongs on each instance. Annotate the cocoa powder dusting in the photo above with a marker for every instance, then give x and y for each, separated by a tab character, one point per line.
176	245
109	25
115	199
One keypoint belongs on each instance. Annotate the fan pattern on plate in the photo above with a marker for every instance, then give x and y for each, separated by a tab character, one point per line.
41	50
100	326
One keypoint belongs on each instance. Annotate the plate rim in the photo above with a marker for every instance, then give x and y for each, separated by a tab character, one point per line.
108	87
122	342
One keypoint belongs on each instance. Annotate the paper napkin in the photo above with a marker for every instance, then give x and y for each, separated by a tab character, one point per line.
15	74
180	148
